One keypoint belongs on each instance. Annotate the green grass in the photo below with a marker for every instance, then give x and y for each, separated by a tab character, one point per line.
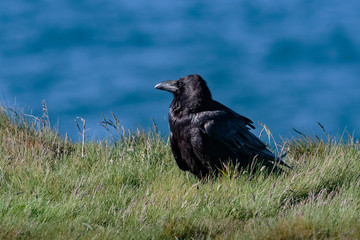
132	189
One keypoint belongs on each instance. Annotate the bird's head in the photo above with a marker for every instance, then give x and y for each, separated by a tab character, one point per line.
190	91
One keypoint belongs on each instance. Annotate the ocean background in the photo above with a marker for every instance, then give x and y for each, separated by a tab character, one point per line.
285	63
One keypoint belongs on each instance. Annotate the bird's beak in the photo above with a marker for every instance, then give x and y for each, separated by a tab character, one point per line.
169	86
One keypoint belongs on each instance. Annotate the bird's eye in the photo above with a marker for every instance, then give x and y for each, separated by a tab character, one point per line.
180	84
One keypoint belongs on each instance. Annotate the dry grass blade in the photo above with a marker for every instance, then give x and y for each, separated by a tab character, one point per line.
82	132
323	128
298	132
45	117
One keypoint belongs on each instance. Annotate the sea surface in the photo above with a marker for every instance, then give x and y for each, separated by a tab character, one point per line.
286	63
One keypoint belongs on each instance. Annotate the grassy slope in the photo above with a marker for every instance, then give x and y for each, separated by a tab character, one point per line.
133	189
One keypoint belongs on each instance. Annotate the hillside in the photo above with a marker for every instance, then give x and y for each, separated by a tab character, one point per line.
131	188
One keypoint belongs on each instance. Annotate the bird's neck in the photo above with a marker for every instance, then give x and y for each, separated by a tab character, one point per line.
180	107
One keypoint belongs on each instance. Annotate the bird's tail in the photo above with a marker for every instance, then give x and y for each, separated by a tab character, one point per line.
281	162
278	160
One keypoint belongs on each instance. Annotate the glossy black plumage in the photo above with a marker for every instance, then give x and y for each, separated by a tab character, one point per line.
204	133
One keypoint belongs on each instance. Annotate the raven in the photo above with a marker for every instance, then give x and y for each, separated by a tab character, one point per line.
204	134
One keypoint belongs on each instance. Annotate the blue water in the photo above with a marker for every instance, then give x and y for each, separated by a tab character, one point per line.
284	63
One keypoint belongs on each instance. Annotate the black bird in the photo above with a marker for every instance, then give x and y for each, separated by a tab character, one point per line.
204	134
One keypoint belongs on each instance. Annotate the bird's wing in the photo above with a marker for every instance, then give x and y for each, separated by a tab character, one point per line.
231	131
230	135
